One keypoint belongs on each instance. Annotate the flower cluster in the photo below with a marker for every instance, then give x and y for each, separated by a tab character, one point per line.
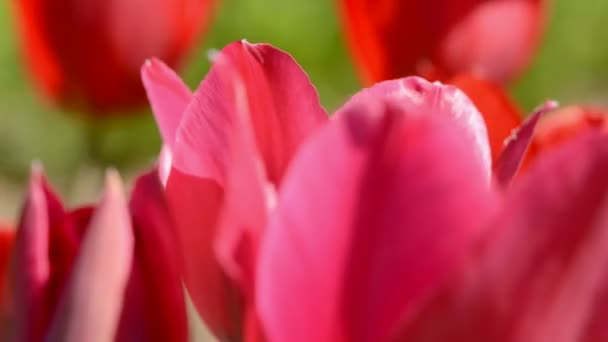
418	211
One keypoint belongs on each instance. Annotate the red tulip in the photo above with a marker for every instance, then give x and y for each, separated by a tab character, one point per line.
441	38
88	52
98	273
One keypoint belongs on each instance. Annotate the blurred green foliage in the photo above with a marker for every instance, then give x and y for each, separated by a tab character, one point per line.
571	66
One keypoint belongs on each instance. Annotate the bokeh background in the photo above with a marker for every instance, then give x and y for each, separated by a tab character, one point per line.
571	66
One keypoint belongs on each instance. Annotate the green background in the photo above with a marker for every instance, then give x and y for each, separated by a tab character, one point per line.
571	66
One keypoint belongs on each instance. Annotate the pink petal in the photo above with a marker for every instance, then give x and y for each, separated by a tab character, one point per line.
154	307
517	145
541	274
91	305
377	209
168	95
419	97
246	121
42	256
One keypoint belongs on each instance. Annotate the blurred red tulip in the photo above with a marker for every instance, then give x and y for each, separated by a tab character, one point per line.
7	239
88	52
441	38
98	273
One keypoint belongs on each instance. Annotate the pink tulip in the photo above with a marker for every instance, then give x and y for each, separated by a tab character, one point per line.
97	273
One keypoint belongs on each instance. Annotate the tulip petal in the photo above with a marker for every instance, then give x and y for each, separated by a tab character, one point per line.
375	211
540	274
499	112
42	258
565	124
91	305
419	97
517	145
246	121
168	96
154	307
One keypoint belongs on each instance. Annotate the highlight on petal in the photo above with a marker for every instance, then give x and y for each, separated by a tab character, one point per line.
243	127
418	97
376	210
540	274
517	145
499	112
154	307
168	96
102	268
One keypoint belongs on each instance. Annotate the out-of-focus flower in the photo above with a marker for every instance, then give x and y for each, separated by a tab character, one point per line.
7	238
227	148
88	52
97	273
441	38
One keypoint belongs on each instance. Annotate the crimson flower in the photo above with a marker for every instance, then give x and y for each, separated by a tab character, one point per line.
97	273
442	38
88	52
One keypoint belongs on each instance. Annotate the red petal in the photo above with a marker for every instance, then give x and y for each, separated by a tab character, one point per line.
418	97
396	38
565	124
499	112
7	240
517	145
92	302
376	210
540	275
154	307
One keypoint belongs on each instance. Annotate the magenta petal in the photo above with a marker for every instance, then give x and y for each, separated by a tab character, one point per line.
541	274
375	212
517	145
92	301
154	307
418	97
168	95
